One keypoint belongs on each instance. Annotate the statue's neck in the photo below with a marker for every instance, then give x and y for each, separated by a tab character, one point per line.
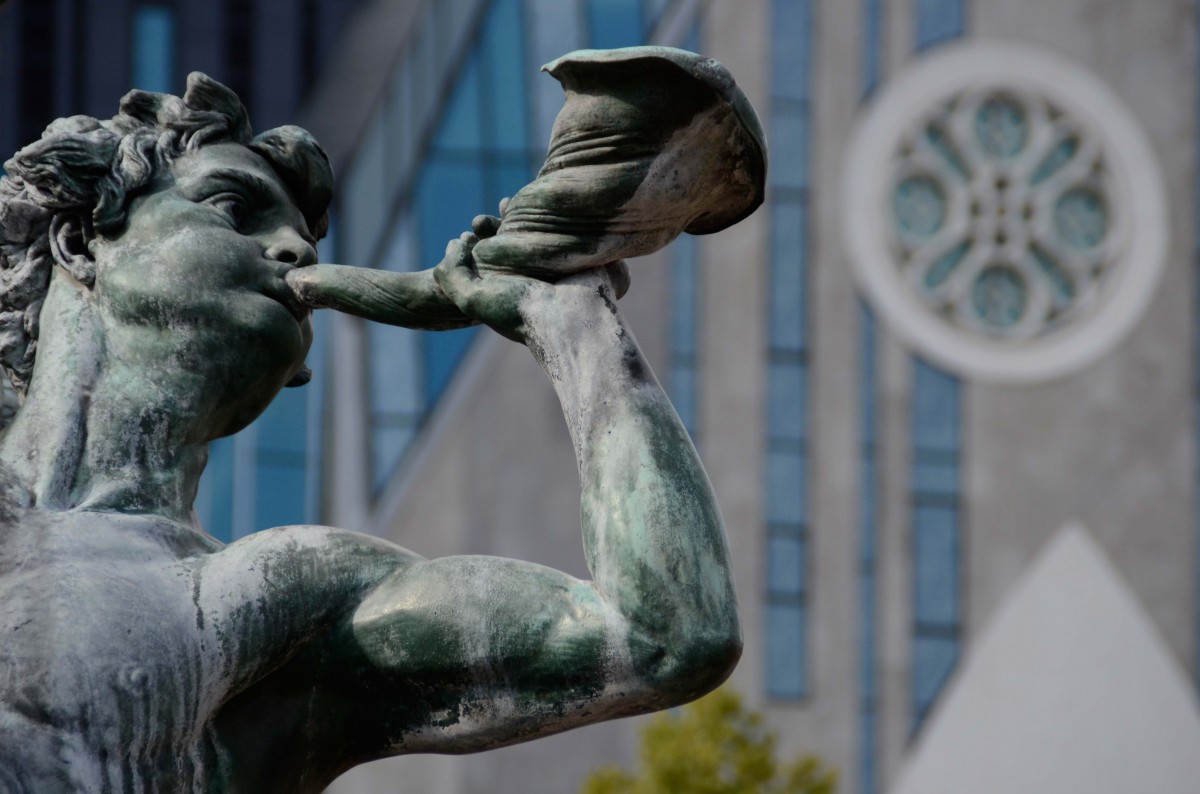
102	428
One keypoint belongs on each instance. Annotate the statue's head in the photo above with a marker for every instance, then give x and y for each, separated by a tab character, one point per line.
169	216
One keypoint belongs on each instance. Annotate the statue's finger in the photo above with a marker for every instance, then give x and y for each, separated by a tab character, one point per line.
456	271
504	205
485	226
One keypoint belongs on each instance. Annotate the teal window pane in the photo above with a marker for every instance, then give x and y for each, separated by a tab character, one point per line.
787	401
282	444
936	416
505	179
504	70
462	124
153	48
280	490
788	275
787	671
787	478
933	661
786	565
283	426
791	26
449	194
937	579
789	148
443	353
390	437
614	23
939	20
935	565
214	502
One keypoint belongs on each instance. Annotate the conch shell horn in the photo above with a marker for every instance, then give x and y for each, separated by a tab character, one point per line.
651	142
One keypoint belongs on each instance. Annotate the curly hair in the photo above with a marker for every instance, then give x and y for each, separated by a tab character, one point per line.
93	169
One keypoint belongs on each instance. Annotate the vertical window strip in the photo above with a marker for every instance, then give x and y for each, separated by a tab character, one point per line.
936	440
936	539
788	536
868	555
869	694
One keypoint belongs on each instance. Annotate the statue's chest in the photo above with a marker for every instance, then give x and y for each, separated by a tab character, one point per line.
106	655
118	666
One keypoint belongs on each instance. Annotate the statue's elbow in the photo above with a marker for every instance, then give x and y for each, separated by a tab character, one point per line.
695	666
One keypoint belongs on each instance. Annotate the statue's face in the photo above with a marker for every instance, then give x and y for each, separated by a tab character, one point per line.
202	263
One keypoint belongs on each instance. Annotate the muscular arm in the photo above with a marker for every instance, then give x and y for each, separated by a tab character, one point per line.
501	650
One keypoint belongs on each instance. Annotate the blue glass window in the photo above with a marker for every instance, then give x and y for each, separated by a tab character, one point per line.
485	146
939	21
788	536
615	23
937	445
154	40
936	552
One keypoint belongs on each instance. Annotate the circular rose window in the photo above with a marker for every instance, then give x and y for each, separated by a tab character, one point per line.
1003	212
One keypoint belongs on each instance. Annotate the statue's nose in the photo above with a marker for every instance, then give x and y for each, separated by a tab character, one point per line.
286	245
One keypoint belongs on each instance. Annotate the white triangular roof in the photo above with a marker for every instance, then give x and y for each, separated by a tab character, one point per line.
1070	689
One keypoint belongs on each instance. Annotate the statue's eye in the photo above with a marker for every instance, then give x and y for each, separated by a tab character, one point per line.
233	205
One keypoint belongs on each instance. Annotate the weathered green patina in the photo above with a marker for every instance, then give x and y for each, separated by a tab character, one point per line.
157	273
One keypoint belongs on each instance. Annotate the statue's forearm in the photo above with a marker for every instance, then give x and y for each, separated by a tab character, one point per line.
653	534
412	300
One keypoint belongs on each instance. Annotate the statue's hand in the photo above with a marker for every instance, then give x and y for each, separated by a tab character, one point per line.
509	303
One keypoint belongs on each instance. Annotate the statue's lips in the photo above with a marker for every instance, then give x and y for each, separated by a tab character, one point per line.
284	296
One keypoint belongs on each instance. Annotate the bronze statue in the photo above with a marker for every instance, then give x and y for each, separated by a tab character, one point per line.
157	273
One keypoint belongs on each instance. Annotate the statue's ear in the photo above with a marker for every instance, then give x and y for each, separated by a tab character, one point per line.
69	238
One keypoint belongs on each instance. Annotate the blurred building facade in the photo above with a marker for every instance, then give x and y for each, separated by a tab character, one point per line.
886	487
904	379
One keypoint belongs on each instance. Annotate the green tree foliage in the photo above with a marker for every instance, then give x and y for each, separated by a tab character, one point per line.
713	746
